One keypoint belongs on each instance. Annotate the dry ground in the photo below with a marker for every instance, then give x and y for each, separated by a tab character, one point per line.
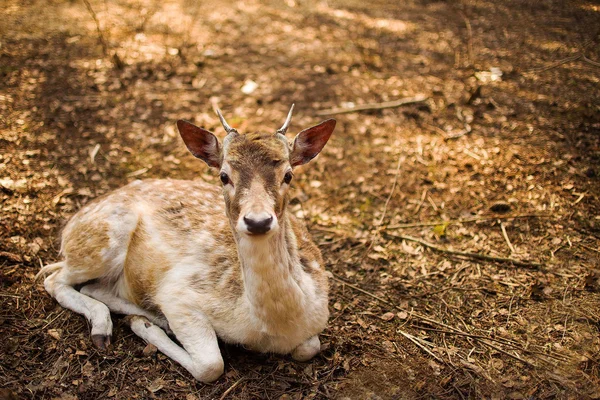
505	151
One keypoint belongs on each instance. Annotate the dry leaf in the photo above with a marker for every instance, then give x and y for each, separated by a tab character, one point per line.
156	385
55	333
387	316
379	249
149	350
402	315
389	346
87	369
407	248
440	230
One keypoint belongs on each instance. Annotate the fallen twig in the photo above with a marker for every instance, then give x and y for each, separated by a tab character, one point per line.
470	39
477	256
400	159
416	341
374	106
230	389
423	196
503	341
335	278
450	330
466	220
98	29
412	313
576	57
501	350
459	134
555	64
510	246
588	247
591	62
101	39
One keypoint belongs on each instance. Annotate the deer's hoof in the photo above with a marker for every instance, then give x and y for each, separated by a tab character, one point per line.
102	342
307	350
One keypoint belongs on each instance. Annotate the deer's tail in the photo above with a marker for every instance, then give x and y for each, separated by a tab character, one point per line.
49	269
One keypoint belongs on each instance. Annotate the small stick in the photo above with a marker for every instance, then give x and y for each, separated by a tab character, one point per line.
415	341
470	42
335	278
503	341
469	335
416	315
391	191
465	220
452	330
53	319
556	64
374	106
462	133
101	39
510	246
501	350
225	393
98	29
587	60
430	200
421	203
437	129
477	256
589	248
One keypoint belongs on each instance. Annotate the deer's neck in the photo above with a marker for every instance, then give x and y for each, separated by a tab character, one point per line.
272	274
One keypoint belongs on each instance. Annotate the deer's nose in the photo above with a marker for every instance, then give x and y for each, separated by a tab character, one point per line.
258	224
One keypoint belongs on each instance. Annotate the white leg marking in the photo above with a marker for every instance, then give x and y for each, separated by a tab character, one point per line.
96	312
121	306
205	370
307	350
195	332
151	333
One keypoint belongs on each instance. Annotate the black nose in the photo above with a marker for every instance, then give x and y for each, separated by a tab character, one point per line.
259	226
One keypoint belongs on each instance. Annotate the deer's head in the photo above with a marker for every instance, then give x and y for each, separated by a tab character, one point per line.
256	169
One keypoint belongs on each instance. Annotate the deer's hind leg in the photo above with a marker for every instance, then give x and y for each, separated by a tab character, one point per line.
119	305
94	244
60	286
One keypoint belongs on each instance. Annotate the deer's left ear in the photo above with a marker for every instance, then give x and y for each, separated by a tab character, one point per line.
310	142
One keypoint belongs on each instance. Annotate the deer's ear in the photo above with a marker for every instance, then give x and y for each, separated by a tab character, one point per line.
310	142
201	143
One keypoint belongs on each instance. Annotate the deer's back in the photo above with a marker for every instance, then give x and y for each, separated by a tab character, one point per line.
133	236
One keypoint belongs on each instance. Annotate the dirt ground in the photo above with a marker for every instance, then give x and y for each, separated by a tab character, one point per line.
501	159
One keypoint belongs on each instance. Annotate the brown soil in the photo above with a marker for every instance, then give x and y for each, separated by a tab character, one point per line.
515	157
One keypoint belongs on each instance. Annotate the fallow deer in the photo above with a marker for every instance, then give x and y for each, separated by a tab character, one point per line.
172	256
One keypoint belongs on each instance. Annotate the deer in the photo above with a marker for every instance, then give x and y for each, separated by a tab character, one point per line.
177	260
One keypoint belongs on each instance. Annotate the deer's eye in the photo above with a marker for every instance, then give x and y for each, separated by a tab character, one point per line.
224	178
288	177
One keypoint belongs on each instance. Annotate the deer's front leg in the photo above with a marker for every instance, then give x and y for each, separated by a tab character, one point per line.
307	350
195	332
201	356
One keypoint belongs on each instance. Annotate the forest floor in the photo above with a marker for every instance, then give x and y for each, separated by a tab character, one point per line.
501	158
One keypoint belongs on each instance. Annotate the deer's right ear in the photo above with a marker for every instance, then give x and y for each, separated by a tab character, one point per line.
201	143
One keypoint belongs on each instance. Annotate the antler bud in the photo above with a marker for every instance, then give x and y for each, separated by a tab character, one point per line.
228	128
285	126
